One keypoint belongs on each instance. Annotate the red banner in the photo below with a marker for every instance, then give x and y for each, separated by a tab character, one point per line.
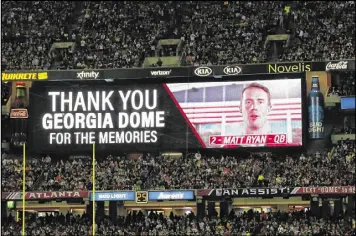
324	190
11	196
280	139
56	195
344	190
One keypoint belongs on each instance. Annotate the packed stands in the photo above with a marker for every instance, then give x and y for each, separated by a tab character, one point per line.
28	31
320	169
323	31
11	170
5	92
247	223
343	84
122	34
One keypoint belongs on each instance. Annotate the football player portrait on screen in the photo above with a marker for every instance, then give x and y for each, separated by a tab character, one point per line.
255	107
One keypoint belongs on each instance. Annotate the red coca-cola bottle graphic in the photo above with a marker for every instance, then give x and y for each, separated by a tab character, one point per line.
19	115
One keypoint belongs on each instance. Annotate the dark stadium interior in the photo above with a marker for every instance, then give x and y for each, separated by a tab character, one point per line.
161	174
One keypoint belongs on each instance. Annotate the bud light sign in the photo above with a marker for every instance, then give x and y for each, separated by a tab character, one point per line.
316	110
113	196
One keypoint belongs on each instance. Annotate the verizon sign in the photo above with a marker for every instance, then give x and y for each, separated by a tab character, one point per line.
19	113
160	72
341	65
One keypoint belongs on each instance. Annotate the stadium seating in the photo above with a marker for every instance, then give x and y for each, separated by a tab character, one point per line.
122	34
320	169
5	93
344	84
247	223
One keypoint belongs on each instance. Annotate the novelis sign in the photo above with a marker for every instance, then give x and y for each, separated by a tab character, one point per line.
289	67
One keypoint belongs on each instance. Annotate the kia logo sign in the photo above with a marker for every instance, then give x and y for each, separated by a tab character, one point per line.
203	71
232	70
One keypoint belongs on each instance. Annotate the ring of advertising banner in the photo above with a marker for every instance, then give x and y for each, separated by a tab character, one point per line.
276	192
144	196
261	113
178	72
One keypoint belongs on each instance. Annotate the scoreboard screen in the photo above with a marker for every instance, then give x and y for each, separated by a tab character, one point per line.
224	114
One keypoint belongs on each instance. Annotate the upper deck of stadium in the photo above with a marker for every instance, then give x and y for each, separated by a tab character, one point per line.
93	35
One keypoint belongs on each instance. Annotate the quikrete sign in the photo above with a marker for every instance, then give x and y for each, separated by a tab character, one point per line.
24	76
288	68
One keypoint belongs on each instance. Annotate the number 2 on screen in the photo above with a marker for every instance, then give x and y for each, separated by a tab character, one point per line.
213	140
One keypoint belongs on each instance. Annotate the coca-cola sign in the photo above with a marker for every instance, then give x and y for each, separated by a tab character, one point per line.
341	65
19	113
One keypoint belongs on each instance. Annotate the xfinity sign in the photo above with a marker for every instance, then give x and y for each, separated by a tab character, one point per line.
232	70
203	71
160	72
171	195
87	75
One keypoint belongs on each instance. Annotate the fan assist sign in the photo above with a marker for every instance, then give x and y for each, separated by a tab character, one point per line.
104	117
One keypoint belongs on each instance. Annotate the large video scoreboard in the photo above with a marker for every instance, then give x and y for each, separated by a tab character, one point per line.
245	111
218	107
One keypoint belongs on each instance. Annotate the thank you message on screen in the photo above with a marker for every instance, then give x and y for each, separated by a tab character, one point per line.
103	117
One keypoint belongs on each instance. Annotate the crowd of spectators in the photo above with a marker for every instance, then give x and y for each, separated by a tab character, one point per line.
336	168
122	34
28	31
11	173
225	34
324	31
5	92
247	223
344	84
